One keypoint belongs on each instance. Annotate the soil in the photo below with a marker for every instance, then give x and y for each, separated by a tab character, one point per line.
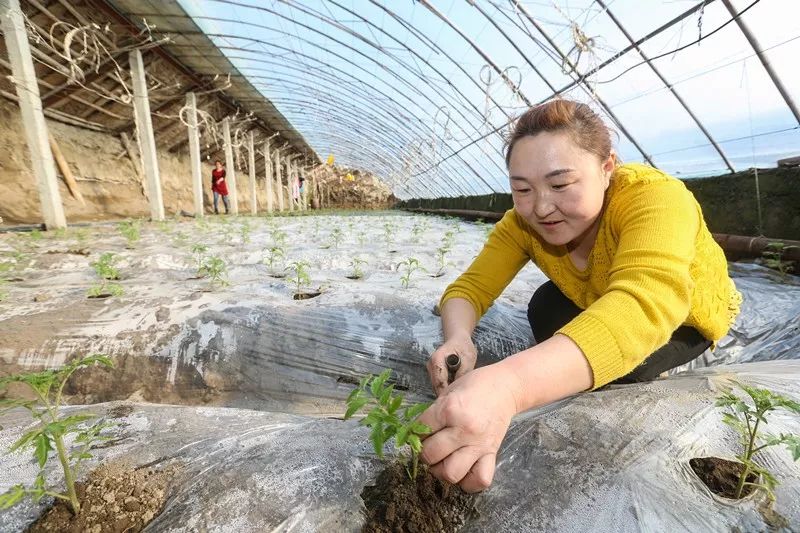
115	498
721	476
395	504
305	295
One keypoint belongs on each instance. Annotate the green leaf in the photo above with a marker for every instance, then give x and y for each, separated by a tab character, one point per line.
43	448
386	395
376	436
26	439
395	405
402	436
419	428
12	496
377	383
793	445
354	406
415	443
413	411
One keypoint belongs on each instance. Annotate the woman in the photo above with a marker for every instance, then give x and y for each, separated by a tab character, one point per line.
219	187
637	286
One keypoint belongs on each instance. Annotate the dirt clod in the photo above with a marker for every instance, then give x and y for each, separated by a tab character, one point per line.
426	505
105	505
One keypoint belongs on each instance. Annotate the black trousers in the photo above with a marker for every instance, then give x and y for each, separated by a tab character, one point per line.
549	310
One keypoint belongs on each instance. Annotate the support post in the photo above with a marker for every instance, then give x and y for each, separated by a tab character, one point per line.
230	171
306	185
30	105
289	182
268	176
194	155
251	167
279	180
144	134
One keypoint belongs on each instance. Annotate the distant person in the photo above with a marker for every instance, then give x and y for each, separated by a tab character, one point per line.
296	185
219	187
637	286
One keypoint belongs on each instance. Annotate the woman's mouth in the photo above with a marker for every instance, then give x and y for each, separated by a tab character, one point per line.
551	224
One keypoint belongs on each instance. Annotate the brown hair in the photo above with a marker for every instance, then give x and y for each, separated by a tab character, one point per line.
577	120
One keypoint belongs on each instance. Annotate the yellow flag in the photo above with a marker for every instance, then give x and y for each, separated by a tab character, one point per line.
350	177
330	160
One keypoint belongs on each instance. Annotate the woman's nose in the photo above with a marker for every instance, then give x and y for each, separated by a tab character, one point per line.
542	205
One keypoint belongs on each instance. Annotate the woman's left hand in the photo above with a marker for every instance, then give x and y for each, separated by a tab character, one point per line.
468	422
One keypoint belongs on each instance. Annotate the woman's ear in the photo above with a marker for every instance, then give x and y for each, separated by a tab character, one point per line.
608	167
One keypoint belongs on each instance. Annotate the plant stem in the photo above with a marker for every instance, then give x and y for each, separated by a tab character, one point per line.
748	454
68	479
414	463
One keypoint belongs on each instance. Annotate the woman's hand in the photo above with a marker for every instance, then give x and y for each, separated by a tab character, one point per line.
437	370
468	422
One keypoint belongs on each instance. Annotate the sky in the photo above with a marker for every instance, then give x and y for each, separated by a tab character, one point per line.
390	87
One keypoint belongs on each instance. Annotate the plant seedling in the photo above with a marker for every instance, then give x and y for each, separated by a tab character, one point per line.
49	435
388	232
199	254
386	420
130	230
278	237
773	257
441	260
300	277
107	272
412	265
244	231
416	232
336	236
745	418
35	235
215	268
274	257
356	263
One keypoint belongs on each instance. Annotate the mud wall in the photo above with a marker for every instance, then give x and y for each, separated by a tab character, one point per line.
105	174
728	201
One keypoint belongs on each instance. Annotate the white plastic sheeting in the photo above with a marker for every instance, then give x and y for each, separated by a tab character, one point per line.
612	460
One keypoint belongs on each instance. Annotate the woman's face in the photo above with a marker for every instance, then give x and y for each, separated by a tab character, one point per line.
558	187
218	165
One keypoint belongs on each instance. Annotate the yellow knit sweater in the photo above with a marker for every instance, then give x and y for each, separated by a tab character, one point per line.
654	266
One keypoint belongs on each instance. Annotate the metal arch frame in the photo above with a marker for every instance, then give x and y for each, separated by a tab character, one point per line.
466	119
389	98
260	41
668	85
336	119
776	80
566	59
354	125
480	52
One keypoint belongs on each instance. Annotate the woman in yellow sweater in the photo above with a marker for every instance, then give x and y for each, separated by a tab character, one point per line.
637	286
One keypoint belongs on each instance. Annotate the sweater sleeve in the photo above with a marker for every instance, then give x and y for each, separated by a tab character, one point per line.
502	257
649	290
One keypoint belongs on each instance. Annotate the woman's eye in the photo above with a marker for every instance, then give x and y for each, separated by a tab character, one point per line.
522	191
559	186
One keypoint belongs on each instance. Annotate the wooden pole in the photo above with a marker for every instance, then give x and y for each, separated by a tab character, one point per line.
144	133
63	166
251	168
194	155
268	176
30	105
279	180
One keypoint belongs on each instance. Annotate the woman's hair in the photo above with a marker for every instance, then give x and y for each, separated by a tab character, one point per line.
217	161
577	120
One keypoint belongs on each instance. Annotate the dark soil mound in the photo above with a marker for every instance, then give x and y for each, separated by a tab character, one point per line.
721	475
398	505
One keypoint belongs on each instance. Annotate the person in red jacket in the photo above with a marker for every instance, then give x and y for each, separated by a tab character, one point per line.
219	187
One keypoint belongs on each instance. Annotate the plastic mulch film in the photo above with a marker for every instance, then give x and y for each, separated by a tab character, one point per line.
614	460
611	460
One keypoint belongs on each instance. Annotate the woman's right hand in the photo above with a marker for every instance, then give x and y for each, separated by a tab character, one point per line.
437	370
